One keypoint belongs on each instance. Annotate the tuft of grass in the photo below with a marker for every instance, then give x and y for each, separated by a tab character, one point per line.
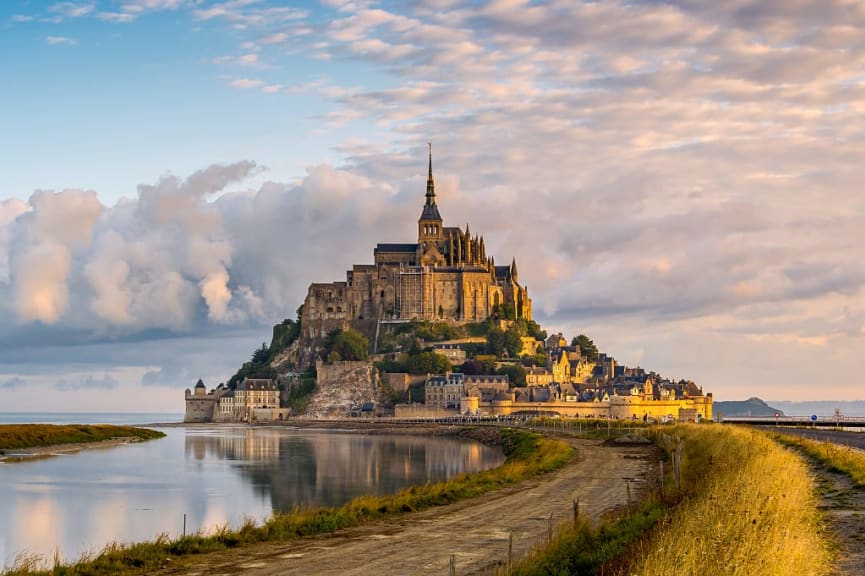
835	457
746	506
578	548
20	436
526	454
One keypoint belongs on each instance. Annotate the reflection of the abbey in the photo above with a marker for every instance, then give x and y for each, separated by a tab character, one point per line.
301	468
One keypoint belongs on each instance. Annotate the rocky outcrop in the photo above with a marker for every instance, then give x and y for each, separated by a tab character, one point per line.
341	387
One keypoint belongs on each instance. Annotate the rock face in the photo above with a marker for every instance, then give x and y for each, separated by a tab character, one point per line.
341	387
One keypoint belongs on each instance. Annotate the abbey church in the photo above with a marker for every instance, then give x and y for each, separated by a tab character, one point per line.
445	275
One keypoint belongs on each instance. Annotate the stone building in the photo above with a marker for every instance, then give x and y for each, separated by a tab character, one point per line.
445	275
201	405
444	391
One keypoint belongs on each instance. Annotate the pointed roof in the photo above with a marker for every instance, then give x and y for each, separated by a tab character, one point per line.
430	210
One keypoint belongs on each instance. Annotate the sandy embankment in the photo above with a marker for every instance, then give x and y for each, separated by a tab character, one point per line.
24	454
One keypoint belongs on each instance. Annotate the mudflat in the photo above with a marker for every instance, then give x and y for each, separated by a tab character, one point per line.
476	531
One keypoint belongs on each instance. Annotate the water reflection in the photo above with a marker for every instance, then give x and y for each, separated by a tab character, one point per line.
328	469
215	476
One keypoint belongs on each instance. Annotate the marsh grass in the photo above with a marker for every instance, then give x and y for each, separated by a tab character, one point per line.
834	457
20	436
527	454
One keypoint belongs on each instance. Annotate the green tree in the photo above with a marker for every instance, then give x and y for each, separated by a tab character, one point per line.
351	345
516	374
472	367
261	355
587	347
427	363
496	342
533	329
512	341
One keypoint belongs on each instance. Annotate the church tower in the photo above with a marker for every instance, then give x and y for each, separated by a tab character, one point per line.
429	225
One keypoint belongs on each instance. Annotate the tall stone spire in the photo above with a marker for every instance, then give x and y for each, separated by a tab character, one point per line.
514	275
429	225
430	183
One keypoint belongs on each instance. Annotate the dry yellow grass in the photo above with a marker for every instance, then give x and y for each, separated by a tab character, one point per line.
835	457
748	507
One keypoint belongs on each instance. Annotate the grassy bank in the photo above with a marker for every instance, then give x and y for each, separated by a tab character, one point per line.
527	455
732	502
747	506
834	457
21	436
578	548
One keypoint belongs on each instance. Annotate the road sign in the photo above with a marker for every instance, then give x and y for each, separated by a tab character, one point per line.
813	417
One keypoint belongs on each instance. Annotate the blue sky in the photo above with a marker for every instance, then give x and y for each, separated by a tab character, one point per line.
681	181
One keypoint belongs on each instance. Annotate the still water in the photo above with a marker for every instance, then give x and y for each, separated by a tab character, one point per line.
215	475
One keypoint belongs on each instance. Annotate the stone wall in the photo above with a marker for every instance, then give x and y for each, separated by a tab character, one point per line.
422	411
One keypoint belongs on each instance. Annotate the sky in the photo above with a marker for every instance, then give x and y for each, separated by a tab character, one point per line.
682	181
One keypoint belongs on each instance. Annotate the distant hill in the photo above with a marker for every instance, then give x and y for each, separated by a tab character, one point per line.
821	407
749	407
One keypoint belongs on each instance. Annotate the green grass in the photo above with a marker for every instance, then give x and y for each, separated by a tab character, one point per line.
578	548
527	454
834	457
20	436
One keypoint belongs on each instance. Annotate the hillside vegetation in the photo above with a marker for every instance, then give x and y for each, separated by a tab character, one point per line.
20	436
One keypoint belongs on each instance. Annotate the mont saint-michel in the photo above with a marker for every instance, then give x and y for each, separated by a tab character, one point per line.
434	328
445	275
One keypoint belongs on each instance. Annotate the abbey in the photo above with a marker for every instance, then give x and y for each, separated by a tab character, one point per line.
445	275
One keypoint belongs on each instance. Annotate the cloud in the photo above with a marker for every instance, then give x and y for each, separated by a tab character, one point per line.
56	40
106	382
14	382
58	225
72	9
677	177
245	83
9	211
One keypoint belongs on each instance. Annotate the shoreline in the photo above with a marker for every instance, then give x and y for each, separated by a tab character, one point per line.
15	455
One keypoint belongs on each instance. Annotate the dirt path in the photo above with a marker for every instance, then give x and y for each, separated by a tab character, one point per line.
843	505
475	532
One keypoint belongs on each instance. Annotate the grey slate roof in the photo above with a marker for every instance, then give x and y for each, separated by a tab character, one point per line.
430	212
396	248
